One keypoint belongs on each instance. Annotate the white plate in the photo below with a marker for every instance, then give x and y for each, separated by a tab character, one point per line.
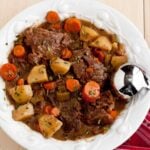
102	16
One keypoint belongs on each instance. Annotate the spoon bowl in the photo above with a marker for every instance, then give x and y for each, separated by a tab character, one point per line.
129	79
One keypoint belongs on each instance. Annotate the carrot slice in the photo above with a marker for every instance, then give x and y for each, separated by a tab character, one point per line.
19	51
52	17
91	91
66	53
114	114
47	109
8	71
72	25
20	82
72	85
55	111
50	85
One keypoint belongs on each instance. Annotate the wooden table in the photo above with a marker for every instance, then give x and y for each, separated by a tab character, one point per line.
138	11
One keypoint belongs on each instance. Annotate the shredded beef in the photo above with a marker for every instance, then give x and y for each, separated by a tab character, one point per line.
42	40
34	58
98	112
79	68
99	74
83	59
71	113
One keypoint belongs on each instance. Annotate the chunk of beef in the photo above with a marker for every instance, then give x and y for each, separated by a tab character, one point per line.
83	59
79	68
106	101
50	97
77	54
70	115
39	107
42	40
60	82
22	65
100	73
79	65
98	112
76	43
89	60
34	58
67	40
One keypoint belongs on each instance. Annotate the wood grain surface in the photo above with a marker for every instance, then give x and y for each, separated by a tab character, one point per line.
138	11
147	20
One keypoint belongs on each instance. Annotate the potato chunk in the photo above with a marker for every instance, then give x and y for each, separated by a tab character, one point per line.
38	74
117	61
103	43
21	93
108	59
87	34
49	125
60	66
23	112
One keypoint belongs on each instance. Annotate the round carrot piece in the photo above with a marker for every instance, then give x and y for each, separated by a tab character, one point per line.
20	82
50	85
8	71
114	114
66	53
72	85
19	51
47	109
91	91
52	17
72	25
55	111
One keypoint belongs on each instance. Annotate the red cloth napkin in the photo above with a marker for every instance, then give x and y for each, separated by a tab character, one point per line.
141	139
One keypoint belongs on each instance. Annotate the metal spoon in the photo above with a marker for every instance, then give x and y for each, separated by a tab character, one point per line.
129	80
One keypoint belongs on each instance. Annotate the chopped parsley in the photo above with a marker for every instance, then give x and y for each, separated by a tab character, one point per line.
92	92
17	94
